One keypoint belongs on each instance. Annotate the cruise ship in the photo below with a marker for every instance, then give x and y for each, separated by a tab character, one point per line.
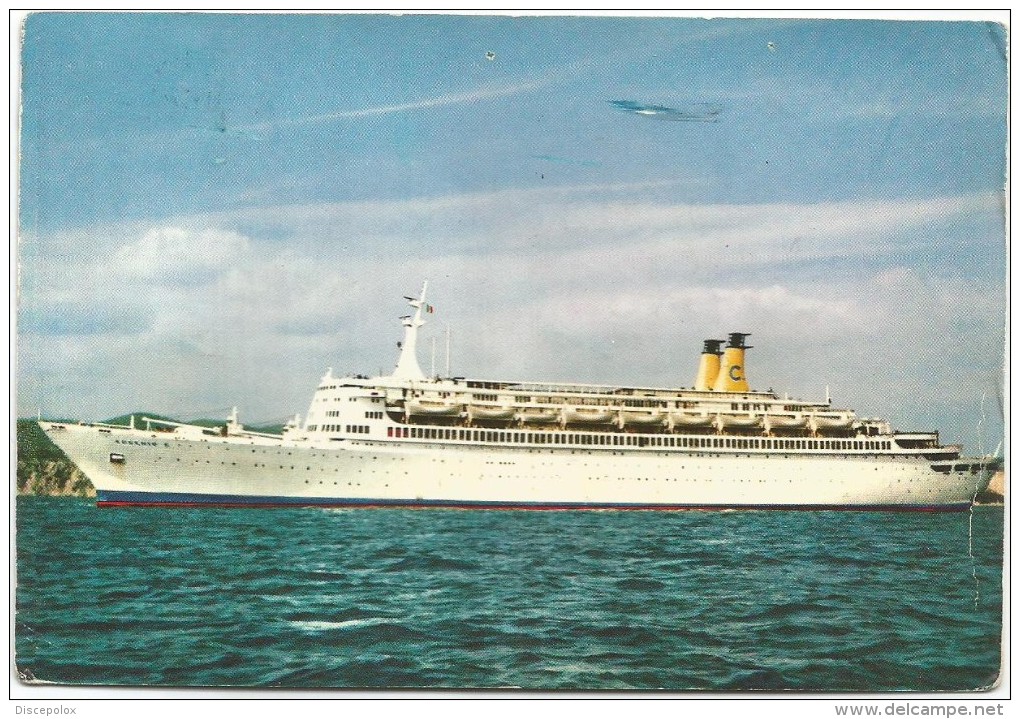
410	440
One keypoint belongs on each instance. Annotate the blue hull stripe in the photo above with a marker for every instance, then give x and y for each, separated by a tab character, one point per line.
175	499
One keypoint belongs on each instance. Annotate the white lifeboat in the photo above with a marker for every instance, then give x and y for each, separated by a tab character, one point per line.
538	416
641	417
586	415
831	423
420	408
690	419
785	421
739	421
478	412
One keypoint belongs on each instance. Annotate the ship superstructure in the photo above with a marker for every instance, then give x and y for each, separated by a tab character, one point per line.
406	439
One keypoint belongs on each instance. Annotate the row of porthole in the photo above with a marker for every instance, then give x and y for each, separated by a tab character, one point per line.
622	479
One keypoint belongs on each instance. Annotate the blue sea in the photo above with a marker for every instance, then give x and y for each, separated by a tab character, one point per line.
743	600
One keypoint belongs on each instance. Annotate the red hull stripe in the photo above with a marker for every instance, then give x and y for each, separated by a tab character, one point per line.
147	499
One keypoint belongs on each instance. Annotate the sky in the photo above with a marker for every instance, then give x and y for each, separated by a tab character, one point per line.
214	209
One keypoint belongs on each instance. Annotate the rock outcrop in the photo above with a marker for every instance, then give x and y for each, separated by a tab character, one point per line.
44	469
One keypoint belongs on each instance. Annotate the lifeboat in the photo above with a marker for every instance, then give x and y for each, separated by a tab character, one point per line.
739	421
632	416
416	408
839	423
538	416
586	415
476	412
785	421
690	419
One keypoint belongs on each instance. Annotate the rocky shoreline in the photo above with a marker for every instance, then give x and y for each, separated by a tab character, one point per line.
56	478
43	469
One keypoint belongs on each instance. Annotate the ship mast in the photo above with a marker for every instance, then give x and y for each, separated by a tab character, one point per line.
407	365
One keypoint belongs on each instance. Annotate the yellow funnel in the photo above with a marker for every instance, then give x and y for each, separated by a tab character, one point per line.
708	370
731	376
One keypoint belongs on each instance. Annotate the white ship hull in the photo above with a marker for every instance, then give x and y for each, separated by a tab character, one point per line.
136	467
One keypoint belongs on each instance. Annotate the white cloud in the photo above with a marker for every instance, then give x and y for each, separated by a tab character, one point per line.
175	254
249	307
